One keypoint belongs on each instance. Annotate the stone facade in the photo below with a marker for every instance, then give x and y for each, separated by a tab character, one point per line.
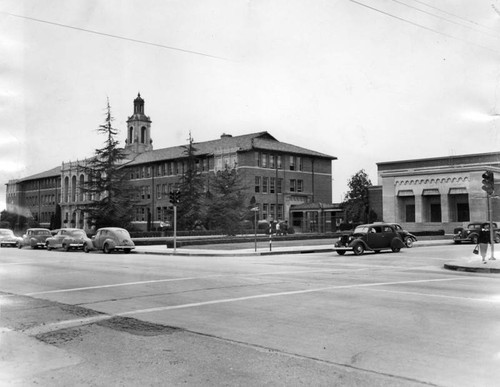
438	193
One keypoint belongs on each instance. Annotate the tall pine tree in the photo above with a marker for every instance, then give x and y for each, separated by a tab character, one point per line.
106	187
191	209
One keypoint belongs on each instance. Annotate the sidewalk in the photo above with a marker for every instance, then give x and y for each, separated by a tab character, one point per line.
262	249
474	264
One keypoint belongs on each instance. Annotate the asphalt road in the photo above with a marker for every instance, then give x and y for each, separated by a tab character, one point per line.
389	319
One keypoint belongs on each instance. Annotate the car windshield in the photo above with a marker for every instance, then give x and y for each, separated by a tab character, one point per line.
41	232
474	226
397	227
361	229
6	233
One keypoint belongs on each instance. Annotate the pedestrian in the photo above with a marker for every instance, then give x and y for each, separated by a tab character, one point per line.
484	240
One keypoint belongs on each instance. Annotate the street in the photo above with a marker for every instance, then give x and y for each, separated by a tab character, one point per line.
388	319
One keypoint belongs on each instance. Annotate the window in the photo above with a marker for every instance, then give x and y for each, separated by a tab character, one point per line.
264	160
272	210
272	185
158	191
300	185
257	159
257	184
265	183
410	213
299	163
271	161
278	162
265	210
292	163
293	184
279	188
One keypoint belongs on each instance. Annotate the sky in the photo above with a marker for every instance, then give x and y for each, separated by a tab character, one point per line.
366	81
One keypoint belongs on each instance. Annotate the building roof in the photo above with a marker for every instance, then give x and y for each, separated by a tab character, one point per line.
54	172
225	144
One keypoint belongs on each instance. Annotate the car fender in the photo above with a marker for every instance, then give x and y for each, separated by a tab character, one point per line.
397	243
356	241
110	242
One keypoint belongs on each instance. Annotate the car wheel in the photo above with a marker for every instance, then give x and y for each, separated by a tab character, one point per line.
409	242
48	247
497	238
106	249
65	247
19	245
396	249
86	248
358	249
126	251
340	252
474	239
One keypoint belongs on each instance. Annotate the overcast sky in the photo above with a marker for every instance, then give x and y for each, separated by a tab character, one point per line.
365	81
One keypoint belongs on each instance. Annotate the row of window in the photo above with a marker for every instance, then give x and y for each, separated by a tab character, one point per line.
31	201
275	185
52	182
141	214
266	160
169	168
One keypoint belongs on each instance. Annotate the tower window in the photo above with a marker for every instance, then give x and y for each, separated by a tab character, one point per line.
143	135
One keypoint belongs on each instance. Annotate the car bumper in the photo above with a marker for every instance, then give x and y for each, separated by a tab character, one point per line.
124	247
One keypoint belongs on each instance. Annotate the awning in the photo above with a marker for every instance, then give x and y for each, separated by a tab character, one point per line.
406	192
431	191
458	191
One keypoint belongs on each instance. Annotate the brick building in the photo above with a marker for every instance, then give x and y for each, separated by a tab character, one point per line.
277	177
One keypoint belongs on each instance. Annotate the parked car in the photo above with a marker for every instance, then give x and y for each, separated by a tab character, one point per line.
370	237
35	237
471	233
109	239
67	239
407	237
8	238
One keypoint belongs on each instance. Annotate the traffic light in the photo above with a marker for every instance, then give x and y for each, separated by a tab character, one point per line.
175	197
488	182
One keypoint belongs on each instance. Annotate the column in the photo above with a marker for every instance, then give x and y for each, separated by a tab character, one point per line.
445	207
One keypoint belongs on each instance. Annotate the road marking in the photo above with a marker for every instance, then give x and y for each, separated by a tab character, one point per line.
278	294
94	319
186	279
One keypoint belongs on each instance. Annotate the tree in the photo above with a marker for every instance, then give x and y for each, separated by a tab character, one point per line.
356	204
190	209
226	206
110	200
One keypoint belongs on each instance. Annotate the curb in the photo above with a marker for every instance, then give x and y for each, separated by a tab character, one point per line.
471	269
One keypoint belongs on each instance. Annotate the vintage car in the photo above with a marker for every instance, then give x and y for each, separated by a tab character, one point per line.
8	238
109	239
35	237
67	239
370	237
407	237
470	234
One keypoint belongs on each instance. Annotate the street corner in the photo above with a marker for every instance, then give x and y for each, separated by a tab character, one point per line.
475	264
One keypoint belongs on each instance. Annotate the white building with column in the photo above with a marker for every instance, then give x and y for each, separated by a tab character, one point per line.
438	193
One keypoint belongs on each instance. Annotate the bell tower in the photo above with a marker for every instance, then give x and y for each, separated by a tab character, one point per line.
138	129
